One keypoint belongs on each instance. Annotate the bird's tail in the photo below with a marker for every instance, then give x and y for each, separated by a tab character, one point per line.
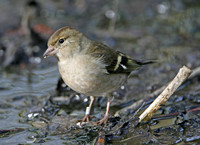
145	62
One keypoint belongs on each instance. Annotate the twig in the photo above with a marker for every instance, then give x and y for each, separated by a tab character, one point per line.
195	73
135	105
174	114
182	75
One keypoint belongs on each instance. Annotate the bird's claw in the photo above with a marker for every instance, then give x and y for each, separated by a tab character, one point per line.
102	121
86	119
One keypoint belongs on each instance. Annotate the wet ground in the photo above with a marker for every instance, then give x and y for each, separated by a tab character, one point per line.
35	109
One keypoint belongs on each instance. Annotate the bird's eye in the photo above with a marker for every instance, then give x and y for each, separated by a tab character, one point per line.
61	40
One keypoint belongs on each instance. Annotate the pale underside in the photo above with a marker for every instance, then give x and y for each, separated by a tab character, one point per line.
82	75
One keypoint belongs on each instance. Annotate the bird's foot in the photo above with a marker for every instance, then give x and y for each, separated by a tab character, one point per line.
103	120
86	118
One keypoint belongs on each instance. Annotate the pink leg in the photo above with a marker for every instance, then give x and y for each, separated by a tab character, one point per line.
87	113
105	119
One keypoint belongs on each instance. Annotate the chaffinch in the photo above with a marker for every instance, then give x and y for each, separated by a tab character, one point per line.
90	67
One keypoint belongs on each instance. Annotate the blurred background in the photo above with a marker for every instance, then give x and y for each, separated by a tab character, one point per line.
37	107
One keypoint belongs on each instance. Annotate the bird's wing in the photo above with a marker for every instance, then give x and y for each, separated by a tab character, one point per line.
115	61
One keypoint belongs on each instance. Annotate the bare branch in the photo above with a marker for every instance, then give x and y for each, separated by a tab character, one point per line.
182	75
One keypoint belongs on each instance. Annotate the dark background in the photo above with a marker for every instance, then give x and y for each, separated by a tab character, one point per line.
33	111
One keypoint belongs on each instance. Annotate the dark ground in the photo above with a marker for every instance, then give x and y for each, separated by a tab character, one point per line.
34	110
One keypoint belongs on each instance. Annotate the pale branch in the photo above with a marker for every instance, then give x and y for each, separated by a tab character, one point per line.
182	75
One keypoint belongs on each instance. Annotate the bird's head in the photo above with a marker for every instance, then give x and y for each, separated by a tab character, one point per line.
65	42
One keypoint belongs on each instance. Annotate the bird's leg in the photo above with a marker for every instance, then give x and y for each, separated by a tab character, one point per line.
87	112
105	119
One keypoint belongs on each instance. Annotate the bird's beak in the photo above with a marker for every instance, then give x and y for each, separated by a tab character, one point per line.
50	52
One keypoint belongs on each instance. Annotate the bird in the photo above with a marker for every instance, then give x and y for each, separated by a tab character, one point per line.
90	67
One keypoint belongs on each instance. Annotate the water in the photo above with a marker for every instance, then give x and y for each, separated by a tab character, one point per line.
33	111
21	89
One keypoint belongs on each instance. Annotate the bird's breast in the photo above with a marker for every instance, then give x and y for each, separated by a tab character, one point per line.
88	76
80	73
